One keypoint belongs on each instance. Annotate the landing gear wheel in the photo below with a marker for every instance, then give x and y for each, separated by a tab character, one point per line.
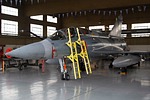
5	67
110	66
62	77
40	66
65	76
20	67
25	66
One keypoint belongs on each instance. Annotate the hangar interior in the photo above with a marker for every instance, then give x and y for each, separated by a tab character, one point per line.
21	18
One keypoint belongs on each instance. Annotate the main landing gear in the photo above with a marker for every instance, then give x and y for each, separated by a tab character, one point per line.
65	75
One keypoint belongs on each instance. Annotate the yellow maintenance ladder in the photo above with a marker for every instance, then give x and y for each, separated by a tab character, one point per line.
84	53
74	54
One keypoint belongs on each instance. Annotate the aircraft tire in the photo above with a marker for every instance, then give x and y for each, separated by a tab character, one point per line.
62	77
5	67
67	76
25	66
40	66
20	67
110	66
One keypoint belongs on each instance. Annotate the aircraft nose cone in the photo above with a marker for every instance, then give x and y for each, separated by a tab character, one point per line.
35	51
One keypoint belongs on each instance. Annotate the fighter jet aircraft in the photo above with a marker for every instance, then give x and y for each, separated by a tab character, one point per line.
54	47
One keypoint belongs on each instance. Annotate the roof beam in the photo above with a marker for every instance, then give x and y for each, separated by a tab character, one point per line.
62	6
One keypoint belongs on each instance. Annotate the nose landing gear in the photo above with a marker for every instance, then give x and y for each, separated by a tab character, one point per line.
65	76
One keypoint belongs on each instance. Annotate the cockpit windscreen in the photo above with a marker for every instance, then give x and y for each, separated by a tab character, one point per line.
63	33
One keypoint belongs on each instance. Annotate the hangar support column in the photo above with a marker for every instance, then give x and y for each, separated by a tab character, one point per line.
60	25
24	23
0	21
106	27
44	26
129	28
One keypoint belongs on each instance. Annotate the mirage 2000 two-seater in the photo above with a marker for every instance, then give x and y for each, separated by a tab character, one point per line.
54	47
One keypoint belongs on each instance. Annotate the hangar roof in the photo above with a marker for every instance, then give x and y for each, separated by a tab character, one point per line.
36	7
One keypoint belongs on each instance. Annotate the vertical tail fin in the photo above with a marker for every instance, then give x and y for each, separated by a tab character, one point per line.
116	30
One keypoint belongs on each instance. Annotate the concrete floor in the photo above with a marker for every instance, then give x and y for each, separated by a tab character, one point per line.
103	84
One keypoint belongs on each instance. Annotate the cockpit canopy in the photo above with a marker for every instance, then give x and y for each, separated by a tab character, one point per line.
63	33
